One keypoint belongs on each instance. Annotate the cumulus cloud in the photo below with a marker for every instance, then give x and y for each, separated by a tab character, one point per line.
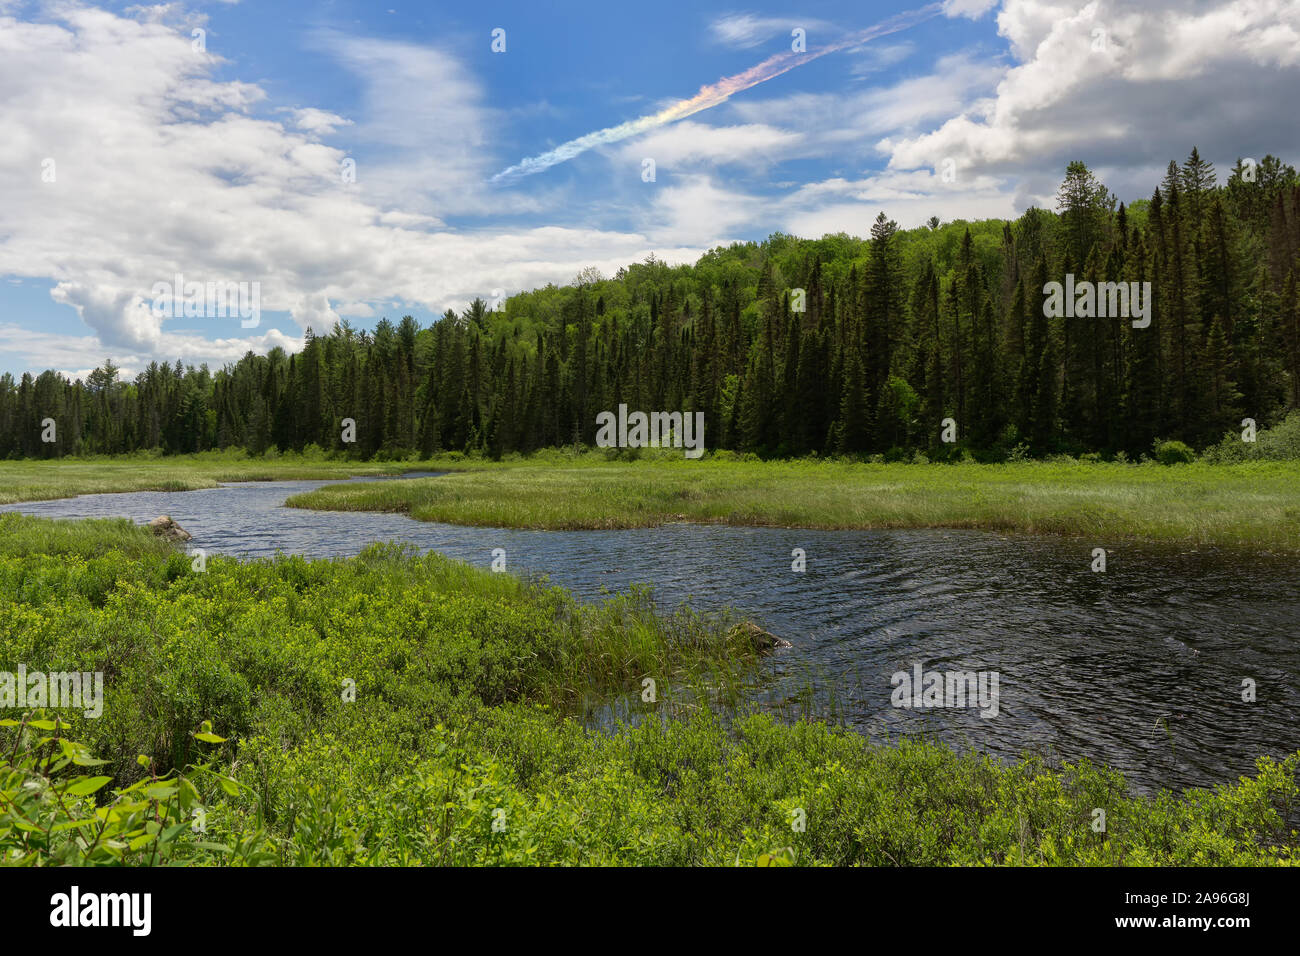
319	122
698	206
77	356
1126	85
125	162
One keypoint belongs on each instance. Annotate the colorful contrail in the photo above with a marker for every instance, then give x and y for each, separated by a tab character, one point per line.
710	95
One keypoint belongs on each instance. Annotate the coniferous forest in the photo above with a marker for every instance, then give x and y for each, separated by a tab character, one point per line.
897	332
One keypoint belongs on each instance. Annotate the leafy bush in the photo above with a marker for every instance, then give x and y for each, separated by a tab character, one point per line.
51	817
1279	443
1174	453
394	709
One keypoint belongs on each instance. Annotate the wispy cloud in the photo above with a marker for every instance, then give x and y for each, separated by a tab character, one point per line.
745	30
157	168
711	95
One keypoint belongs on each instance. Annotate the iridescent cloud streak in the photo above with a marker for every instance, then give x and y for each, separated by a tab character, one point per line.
710	95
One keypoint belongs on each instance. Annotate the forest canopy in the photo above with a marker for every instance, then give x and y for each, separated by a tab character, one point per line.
838	345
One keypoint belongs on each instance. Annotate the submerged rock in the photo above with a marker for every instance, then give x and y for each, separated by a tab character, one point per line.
165	527
761	640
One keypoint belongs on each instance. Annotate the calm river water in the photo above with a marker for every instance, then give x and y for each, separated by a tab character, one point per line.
1140	667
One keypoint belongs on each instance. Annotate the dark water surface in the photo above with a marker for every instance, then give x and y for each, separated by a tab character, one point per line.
1140	667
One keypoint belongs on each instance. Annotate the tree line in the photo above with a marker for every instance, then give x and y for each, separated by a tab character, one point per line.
789	347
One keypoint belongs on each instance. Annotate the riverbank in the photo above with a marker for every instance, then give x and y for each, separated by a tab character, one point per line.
392	709
41	480
1253	505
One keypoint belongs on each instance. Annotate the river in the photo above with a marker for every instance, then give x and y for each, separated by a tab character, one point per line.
1140	667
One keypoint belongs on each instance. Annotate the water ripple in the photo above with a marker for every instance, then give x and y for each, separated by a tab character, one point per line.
1140	667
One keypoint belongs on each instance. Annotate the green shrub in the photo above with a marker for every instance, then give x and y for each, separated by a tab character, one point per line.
1279	443
49	789
396	709
1173	453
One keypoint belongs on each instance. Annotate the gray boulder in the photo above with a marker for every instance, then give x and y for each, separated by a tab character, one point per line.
165	527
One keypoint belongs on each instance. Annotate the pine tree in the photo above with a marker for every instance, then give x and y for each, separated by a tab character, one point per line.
854	424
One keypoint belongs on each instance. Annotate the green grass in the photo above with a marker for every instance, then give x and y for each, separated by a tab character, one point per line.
224	694
24	535
1248	505
38	480
1255	505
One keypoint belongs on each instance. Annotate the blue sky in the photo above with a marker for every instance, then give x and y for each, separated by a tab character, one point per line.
134	152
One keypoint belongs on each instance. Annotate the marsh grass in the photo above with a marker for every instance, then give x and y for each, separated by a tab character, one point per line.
22	535
1252	505
411	624
39	480
581	652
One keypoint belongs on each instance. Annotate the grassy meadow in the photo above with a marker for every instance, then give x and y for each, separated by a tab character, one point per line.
392	709
39	480
1252	504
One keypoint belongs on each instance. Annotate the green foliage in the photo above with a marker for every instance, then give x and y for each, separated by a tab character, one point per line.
1279	443
25	535
1174	453
461	747
53	811
1252	504
900	330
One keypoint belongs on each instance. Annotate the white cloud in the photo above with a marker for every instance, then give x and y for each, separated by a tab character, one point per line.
910	198
973	9
320	122
160	169
426	121
688	143
77	355
745	30
697	210
874	57
861	117
1125	85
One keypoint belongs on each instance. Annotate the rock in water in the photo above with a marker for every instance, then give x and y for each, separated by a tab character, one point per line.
761	640
165	527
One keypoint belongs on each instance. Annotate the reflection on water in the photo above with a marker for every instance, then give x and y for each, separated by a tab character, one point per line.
1140	667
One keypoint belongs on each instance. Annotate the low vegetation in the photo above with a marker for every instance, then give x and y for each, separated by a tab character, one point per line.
37	480
1252	504
1247	502
395	709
